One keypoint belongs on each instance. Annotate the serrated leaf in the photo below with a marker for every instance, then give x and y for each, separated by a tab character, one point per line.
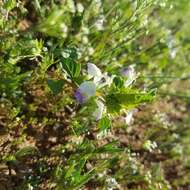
56	86
69	64
127	99
71	67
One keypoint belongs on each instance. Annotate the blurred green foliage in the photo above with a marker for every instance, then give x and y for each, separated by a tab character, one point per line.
48	140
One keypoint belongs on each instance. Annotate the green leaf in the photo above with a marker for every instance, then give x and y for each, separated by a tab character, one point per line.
112	103
76	24
56	23
109	148
10	4
55	86
69	64
127	99
119	82
104	123
71	67
9	158
26	151
84	179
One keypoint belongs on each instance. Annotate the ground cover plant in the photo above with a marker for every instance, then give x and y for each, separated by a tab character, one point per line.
94	94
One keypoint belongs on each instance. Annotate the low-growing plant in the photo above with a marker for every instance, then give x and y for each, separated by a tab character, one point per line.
74	74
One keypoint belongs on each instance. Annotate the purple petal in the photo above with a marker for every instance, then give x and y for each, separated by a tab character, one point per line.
85	91
80	98
127	72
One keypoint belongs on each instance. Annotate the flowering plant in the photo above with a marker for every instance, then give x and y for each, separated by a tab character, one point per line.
74	75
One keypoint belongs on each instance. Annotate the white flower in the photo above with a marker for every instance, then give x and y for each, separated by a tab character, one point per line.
99	110
65	54
85	30
105	80
45	49
93	71
30	187
173	53
71	6
149	145
85	39
98	2
112	183
85	91
129	117
80	7
99	24
130	75
100	79
91	50
171	43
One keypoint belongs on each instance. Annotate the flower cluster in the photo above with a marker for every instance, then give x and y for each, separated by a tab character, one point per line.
97	81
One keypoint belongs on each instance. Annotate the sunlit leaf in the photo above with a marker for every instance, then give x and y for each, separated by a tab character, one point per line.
104	123
127	99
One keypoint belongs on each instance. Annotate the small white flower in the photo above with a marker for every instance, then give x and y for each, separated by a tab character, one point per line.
65	54
98	2
45	49
150	146
99	24
163	4
130	75
85	39
105	80
100	79
71	6
173	53
80	7
91	50
85	30
93	70
86	58
112	183
129	117
30	187
171	43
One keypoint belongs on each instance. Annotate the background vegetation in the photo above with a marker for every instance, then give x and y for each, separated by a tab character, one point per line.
133	58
